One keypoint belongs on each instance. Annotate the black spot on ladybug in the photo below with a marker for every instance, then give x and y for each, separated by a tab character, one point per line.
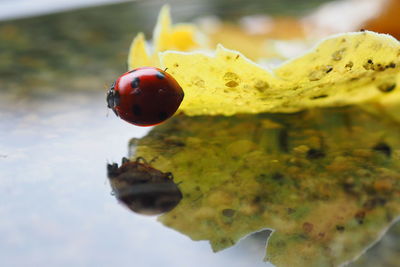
315	153
162	115
160	75
135	82
137	110
383	148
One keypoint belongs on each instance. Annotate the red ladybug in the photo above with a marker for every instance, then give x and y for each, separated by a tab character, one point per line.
145	96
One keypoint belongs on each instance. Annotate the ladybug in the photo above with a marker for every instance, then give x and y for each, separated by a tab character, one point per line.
145	96
142	188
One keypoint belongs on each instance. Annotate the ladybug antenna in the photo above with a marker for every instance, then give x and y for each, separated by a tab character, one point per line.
165	70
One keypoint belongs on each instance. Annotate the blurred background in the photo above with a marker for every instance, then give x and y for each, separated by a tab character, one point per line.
57	60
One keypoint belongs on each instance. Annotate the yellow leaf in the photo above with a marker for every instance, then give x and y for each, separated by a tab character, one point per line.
344	69
181	37
138	55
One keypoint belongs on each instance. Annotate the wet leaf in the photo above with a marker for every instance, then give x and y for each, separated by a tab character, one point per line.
326	181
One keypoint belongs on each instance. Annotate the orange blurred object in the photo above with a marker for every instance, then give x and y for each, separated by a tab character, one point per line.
387	21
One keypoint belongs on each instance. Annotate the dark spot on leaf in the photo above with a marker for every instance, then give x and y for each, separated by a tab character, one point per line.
308	227
340	228
290	210
137	110
135	82
359	216
349	65
228	212
348	187
256	199
374	202
383	148
386	88
231	84
318	96
315	153
280	244
261	178
283	140
277	176
369	64
176	143
379	67
329	69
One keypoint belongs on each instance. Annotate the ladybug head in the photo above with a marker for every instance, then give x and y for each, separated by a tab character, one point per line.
112	98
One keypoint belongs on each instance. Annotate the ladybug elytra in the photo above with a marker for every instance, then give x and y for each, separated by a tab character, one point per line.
145	96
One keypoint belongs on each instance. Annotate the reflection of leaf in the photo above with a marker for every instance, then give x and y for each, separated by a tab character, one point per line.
384	253
327	181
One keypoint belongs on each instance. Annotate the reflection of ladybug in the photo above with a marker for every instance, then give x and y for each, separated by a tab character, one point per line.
145	96
142	188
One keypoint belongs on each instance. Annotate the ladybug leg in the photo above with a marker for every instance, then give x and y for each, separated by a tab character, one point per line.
112	170
141	159
124	160
153	160
169	175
